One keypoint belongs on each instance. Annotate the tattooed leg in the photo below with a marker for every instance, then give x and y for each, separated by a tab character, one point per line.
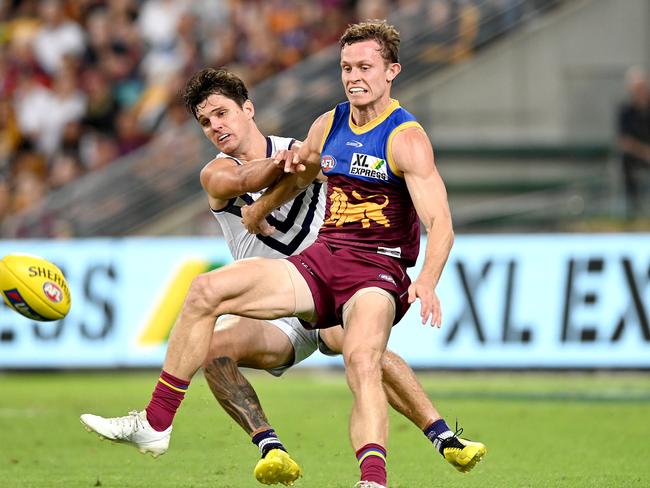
240	341
236	395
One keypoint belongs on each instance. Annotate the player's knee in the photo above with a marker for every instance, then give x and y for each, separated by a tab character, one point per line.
202	295
362	363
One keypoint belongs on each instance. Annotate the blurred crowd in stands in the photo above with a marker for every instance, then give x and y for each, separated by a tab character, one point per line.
84	82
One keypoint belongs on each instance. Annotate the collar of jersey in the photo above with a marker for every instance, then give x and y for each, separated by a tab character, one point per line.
392	106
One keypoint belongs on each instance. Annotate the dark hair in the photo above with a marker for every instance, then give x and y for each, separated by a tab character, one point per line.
210	81
379	30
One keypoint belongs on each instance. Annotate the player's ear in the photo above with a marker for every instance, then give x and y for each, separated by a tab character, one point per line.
392	71
249	108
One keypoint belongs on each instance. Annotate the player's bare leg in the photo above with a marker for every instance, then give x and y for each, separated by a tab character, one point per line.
405	394
239	341
403	390
368	317
253	287
249	287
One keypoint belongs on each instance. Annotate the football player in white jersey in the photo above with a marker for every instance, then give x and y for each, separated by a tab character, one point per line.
236	177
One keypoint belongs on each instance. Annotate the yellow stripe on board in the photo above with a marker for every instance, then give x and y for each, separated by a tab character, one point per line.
165	313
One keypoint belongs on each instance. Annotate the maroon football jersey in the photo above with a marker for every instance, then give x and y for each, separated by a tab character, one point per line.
368	205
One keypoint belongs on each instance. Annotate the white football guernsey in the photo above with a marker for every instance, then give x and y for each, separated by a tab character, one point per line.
296	222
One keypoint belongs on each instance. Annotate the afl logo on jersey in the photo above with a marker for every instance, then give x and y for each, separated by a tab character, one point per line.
327	163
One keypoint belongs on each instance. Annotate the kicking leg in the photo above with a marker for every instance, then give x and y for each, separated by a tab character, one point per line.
256	288
253	288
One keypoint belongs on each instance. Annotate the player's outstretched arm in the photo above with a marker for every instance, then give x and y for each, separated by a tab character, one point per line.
413	155
302	167
223	179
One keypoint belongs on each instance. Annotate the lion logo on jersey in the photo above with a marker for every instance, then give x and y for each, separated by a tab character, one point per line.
343	212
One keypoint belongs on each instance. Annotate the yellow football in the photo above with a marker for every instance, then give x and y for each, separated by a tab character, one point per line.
34	287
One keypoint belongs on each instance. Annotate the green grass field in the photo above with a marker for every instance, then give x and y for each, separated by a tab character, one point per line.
542	430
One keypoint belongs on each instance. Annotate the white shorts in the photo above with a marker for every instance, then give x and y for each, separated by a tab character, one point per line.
305	342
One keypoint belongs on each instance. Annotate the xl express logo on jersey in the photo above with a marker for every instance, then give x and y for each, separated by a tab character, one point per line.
368	166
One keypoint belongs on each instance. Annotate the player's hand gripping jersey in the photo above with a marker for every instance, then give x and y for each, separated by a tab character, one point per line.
296	222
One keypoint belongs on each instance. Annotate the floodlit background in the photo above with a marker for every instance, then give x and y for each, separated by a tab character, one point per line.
523	102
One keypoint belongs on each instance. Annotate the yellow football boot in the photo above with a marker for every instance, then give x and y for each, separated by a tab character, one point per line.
463	454
277	467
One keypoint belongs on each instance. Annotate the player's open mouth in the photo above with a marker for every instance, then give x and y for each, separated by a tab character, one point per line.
354	91
223	137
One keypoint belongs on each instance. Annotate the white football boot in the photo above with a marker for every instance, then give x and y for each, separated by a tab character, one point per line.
132	429
368	484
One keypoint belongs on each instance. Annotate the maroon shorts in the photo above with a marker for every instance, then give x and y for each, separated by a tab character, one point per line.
335	274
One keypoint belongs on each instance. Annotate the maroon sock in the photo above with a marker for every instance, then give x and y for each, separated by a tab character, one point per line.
165	400
372	461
